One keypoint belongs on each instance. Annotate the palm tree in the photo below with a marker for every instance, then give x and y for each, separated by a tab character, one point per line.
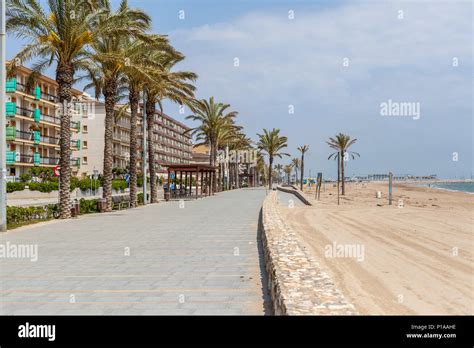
295	162
139	70
108	64
272	143
288	169
303	149
55	36
214	119
341	142
166	84
279	168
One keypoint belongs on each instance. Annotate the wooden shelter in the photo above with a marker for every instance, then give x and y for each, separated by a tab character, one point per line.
190	176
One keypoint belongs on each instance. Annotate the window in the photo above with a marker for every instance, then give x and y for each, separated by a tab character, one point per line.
84	128
84	160
84	145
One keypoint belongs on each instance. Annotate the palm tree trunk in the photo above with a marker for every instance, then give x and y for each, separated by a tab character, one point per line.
270	162
150	120
302	172
296	175
134	98
65	77
110	95
342	172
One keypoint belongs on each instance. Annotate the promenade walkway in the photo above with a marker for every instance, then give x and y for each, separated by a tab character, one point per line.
200	258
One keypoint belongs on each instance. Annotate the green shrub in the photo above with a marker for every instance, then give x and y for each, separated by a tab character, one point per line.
15	186
21	215
140	197
119	184
88	206
46	186
25	177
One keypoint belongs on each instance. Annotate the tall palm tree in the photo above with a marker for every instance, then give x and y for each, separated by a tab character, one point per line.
107	67
166	84
272	143
303	149
139	71
341	142
288	169
279	168
295	162
214	119
56	37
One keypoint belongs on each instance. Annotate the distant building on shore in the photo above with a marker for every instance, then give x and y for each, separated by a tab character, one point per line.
385	177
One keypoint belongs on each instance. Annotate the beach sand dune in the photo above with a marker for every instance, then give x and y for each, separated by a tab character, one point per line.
416	260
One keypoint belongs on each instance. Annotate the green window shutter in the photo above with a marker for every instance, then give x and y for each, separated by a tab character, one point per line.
11	133
36	137
11	109
78	144
11	157
37	115
11	85
37	93
37	158
78	126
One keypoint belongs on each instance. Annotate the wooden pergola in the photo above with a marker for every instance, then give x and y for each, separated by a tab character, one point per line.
203	174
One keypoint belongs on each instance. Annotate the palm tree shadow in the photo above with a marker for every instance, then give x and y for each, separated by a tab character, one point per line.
267	301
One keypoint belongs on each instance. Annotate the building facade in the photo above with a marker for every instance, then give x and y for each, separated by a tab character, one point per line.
171	142
33	124
91	154
33	131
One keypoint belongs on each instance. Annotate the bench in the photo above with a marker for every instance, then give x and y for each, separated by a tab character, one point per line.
120	202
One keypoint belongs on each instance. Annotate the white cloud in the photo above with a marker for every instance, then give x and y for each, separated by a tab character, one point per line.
299	62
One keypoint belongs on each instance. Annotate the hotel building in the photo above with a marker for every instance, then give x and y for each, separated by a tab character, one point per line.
33	124
171	144
33	131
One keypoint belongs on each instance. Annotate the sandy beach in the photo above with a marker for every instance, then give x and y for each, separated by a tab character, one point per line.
417	259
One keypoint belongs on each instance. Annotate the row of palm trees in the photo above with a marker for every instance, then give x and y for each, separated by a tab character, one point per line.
272	144
117	53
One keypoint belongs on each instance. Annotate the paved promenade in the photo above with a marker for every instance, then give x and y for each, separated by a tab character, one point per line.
201	258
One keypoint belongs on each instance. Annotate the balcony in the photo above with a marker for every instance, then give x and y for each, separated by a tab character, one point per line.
34	136
11	157
37	116
76	162
35	92
76	144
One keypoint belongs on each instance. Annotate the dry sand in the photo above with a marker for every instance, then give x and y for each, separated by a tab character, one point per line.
417	259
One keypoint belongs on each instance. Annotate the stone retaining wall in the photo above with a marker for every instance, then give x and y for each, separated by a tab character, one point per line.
296	192
297	284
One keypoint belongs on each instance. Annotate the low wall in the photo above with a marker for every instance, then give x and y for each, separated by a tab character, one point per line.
296	192
297	284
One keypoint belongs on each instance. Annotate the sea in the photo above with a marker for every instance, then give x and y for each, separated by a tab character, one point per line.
466	186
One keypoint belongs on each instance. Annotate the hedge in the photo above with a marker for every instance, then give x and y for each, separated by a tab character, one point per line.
20	215
119	184
15	186
88	206
47	186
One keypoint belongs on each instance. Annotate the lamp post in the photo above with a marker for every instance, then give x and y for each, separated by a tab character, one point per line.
3	140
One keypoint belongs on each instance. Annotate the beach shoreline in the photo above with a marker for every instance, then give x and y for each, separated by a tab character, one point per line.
418	256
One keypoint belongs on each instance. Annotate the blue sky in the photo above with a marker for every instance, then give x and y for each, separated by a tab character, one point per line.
403	56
